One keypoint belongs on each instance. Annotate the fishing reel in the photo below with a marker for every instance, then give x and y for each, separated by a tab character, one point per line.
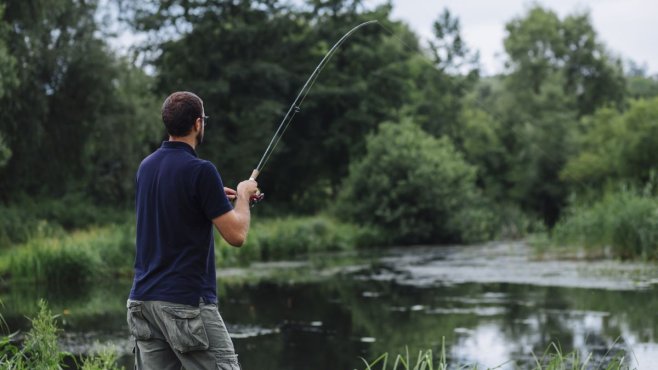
256	198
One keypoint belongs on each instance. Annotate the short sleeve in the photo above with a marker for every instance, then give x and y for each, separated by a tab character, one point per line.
213	200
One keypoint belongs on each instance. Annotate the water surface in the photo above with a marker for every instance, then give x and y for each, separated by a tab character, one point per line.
492	305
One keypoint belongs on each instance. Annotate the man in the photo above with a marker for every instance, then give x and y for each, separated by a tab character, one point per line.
172	308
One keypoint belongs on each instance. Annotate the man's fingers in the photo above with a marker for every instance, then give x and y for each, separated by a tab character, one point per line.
230	193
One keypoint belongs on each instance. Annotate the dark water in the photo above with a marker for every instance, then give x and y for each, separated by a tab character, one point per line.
325	315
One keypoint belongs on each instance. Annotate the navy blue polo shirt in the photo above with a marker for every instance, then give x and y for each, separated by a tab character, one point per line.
177	196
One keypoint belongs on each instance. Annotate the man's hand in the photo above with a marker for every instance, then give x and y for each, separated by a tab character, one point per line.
230	193
247	188
234	225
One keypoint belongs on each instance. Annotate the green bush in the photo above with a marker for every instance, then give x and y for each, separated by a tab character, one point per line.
293	236
414	188
41	350
623	224
115	245
74	258
617	147
52	260
17	226
76	211
27	218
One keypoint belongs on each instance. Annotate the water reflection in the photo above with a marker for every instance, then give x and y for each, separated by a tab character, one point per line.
329	323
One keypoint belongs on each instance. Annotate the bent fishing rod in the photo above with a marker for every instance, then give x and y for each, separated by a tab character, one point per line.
296	106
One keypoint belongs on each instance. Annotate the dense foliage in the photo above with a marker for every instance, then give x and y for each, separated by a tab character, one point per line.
74	116
398	134
414	187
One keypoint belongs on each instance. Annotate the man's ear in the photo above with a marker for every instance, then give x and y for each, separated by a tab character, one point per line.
198	124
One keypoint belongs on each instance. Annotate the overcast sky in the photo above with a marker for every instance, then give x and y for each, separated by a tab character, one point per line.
627	27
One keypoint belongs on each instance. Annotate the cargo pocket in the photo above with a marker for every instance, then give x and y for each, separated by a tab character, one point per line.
137	324
228	362
185	328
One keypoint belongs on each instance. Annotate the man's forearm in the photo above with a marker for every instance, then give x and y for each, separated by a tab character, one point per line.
243	212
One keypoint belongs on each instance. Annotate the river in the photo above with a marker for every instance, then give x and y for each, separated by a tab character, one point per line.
493	304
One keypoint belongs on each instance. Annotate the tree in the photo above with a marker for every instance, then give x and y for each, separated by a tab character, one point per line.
413	188
541	45
51	41
617	147
5	152
128	128
67	104
252	59
558	72
640	84
8	80
531	143
443	82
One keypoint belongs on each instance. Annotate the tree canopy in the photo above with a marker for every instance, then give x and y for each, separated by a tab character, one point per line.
77	117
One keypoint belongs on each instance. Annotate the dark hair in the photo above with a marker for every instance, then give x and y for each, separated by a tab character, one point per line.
179	112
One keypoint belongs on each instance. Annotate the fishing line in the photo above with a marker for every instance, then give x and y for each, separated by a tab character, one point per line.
301	96
295	107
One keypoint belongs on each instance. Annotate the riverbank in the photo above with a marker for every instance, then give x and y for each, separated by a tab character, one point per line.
99	252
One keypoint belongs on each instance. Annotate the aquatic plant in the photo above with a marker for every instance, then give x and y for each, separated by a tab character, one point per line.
552	359
104	359
622	224
41	350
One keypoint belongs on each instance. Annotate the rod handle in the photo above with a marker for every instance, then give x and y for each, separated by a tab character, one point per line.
254	175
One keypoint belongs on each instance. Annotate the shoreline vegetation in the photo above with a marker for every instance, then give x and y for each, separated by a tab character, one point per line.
40	350
75	246
46	252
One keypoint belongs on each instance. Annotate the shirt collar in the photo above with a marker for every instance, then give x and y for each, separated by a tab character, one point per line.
179	145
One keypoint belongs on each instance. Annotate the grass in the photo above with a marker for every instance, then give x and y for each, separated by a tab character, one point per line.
40	351
28	218
290	237
72	258
552	359
622	224
99	252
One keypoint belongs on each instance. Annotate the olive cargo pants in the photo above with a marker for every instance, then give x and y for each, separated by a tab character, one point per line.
170	335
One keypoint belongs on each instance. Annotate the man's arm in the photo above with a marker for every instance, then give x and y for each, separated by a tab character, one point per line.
234	225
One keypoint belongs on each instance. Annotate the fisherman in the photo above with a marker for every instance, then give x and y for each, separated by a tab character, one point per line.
172	308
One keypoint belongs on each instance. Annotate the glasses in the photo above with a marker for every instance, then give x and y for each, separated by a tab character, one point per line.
205	118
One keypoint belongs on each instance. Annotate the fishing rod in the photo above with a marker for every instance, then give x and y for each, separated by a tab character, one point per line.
296	106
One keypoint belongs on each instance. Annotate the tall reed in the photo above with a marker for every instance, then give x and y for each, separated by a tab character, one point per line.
552	359
622	224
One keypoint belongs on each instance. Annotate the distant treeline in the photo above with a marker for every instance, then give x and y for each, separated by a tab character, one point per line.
397	134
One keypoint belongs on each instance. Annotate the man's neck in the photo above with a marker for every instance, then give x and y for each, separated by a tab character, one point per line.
189	140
